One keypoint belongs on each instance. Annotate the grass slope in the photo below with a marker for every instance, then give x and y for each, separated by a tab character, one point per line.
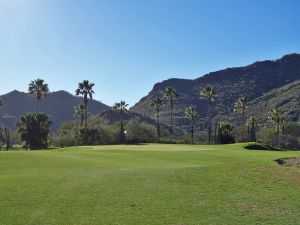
148	184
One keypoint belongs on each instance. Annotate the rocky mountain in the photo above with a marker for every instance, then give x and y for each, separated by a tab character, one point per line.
287	98
253	81
58	105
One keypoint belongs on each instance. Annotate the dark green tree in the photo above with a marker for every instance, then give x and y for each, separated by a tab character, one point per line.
7	138
252	126
90	135
191	114
34	129
39	89
278	118
2	137
226	133
209	93
157	104
170	94
85	89
121	107
240	106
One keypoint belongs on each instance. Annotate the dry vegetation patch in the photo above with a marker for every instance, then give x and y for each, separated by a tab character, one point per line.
294	161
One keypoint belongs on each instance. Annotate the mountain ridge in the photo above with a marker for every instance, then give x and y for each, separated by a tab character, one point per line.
251	81
16	103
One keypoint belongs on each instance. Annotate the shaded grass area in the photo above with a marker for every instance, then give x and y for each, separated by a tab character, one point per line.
148	184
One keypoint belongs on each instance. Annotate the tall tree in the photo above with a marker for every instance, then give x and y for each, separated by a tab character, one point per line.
191	114
80	112
7	138
39	89
170	94
121	107
157	103
240	106
278	118
209	93
86	90
34	129
252	126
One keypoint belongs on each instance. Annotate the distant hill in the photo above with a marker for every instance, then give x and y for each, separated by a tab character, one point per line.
253	81
58	105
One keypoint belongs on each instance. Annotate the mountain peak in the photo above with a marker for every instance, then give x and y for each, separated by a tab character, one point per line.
290	57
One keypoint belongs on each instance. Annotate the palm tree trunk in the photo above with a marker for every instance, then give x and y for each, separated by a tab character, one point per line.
82	119
216	128
278	132
209	132
243	123
171	112
192	131
85	124
209	123
253	134
122	138
7	139
37	105
158	125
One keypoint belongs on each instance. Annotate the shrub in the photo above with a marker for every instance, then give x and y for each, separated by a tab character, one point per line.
259	146
139	132
267	137
289	142
66	135
226	133
185	139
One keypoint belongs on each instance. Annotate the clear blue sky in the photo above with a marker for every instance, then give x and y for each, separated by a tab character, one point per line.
126	46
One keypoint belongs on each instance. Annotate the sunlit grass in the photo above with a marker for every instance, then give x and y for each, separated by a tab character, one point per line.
148	184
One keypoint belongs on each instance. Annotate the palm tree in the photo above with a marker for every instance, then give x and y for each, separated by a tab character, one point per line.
80	112
157	103
209	93
252	126
86	90
240	106
191	114
170	94
34	129
277	116
39	89
121	107
226	133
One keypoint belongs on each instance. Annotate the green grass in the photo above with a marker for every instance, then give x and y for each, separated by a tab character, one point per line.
148	184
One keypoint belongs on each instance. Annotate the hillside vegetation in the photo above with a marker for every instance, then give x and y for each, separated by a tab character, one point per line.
253	82
286	98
